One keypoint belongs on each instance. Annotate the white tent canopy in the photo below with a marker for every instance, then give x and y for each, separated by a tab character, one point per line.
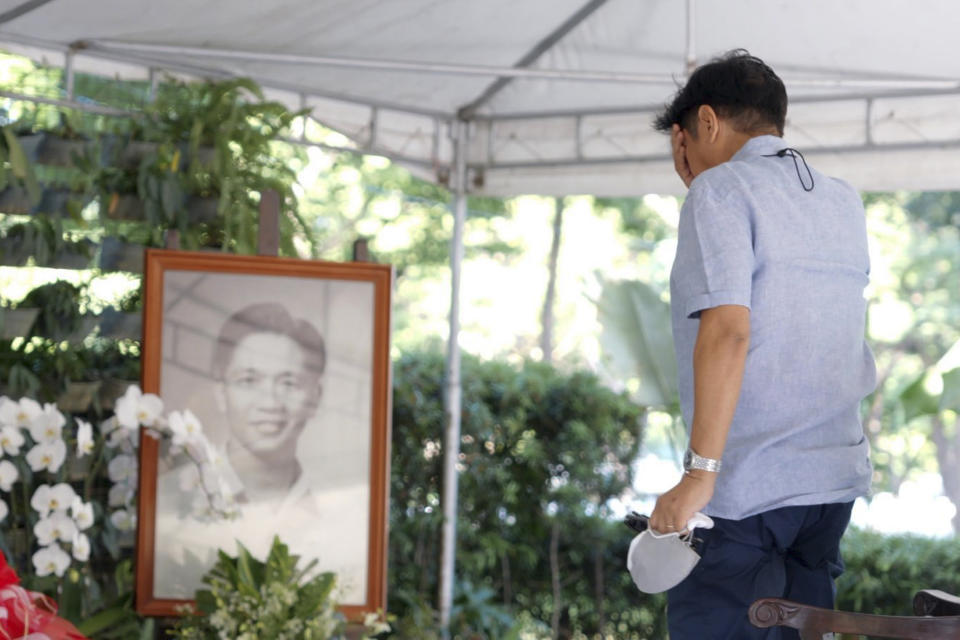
559	94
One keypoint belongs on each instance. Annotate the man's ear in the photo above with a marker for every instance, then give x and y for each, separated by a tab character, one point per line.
708	122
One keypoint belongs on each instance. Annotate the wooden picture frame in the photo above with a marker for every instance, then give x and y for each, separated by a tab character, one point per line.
187	296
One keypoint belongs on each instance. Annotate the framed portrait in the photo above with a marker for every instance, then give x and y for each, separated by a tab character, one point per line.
285	364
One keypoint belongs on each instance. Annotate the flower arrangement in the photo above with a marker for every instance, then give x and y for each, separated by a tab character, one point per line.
47	476
249	600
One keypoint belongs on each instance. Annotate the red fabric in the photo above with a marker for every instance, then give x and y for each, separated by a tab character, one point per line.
25	612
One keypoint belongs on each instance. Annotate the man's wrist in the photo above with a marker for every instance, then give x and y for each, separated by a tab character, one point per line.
709	477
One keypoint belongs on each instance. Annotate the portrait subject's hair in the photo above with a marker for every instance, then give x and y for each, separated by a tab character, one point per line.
268	318
739	87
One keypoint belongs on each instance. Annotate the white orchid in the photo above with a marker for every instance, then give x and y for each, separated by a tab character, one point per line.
11	440
84	438
51	559
82	513
57	526
8	475
185	427
123	469
59	497
19	414
80	547
4	510
47	455
48	426
120	495
136	408
124	519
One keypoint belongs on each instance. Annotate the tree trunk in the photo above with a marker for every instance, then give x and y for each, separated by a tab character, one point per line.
599	587
948	458
555	578
546	317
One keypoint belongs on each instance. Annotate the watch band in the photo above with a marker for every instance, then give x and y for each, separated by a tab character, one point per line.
693	461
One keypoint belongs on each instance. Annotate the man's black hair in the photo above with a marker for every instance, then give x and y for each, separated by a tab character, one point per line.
268	317
739	87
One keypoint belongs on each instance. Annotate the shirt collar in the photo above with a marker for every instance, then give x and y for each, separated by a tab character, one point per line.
759	146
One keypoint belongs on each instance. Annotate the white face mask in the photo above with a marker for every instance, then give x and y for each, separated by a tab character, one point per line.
660	561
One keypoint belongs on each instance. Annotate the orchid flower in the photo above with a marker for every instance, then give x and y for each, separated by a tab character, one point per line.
123	469
120	495
48	426
185	427
57	526
19	414
51	559
11	440
82	513
59	497
136	408
84	438
47	455
124	519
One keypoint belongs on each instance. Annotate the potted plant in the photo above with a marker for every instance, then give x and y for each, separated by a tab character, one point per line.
19	189
273	598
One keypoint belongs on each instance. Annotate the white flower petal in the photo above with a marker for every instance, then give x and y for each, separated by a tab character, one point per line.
122	468
11	439
8	475
124	520
41	500
4	510
84	438
80	547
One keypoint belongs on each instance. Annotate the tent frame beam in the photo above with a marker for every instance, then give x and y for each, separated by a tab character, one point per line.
468	111
577	158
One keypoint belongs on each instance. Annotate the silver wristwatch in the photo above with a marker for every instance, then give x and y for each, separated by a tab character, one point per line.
692	461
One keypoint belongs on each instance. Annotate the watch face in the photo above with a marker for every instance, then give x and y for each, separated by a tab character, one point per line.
687	459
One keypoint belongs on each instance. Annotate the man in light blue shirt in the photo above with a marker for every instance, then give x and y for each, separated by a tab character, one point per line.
768	323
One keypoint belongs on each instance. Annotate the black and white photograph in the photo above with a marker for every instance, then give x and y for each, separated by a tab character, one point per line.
277	373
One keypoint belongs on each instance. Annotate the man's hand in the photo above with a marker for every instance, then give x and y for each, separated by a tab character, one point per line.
678	142
677	506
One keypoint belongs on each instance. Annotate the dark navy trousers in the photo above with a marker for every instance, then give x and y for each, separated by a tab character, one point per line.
792	552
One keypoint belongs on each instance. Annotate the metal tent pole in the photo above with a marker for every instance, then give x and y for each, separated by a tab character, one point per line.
690	61
452	396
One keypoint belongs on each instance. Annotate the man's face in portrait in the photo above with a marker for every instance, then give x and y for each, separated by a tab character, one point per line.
268	394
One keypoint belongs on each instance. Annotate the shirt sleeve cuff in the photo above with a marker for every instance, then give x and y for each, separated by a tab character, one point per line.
695	304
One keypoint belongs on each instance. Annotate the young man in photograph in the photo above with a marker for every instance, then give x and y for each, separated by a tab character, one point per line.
268	366
768	322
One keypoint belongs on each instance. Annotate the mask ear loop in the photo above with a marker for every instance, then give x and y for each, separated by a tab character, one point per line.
793	153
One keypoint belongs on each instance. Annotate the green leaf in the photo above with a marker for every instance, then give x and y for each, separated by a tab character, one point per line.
950	398
20	166
206	602
636	337
246	572
104	620
917	401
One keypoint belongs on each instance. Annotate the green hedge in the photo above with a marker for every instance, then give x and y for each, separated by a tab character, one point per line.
884	571
542	452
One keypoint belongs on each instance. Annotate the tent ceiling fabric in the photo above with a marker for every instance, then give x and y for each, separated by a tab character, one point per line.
870	99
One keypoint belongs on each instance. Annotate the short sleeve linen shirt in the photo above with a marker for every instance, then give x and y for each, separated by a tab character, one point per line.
751	235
